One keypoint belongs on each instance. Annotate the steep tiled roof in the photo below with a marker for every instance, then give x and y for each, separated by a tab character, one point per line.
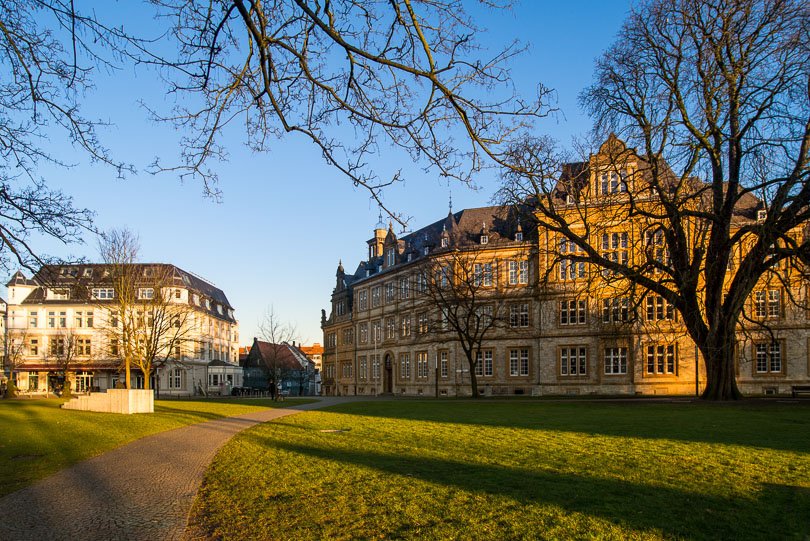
285	355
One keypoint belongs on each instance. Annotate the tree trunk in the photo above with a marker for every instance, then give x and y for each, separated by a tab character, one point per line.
473	378
146	383
721	381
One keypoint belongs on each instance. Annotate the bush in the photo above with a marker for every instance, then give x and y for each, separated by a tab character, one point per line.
11	389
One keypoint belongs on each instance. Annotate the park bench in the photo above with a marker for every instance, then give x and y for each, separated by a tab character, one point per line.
799	389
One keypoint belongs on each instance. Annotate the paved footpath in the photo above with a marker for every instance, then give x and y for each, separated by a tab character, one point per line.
141	491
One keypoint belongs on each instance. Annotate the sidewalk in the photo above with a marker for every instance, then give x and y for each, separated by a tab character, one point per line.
141	491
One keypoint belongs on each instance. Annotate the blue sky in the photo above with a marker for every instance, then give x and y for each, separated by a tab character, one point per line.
286	218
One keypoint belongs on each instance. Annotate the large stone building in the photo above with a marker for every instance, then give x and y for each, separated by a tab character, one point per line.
565	328
63	329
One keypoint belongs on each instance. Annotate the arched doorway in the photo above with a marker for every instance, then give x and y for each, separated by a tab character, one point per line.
387	375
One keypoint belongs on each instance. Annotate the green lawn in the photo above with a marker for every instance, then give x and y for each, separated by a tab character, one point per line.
522	470
37	438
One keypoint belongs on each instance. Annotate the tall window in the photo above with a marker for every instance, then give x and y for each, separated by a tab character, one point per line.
33	347
615	360
362	331
390	257
405	325
176	378
443	364
518	272
519	362
375	366
404	288
482	274
362	367
422	323
519	315
33	320
422	365
390	292
362	300
483	365
83	346
570	269
768	357
768	303
614	249
615	310
57	345
405	366
572	311
375	296
376	331
659	309
390	328
657	252
421	282
573	361
661	359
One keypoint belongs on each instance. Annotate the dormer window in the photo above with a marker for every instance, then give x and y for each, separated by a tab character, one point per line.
445	242
612	182
410	256
484	239
59	294
425	250
88	273
569	199
519	236
208	304
762	215
219	309
147	272
196	299
146	293
390	257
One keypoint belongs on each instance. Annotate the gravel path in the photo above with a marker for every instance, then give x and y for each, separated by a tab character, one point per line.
143	490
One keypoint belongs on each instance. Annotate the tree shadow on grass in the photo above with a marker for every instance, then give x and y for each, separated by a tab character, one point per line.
772	426
776	512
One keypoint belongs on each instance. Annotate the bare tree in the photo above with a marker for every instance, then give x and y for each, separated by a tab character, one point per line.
147	324
49	53
465	301
714	96
65	346
276	357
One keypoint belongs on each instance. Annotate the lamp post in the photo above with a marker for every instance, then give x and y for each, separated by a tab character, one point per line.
436	375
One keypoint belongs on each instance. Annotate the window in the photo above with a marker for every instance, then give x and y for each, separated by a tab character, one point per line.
33	320
87	273
347	370
443	276
51	320
768	357
57	345
340	307
390	292
569	268
768	303
362	300
484	239
518	272
348	336
196	299
615	360
612	182
390	328
62	321
375	366
659	309
519	362
573	361
102	293
404	288
362	367
376	331
375	297
60	294
362	331
422	365
114	318
405	324
390	257
114	347
445	242
614	249
519	236
405	366
33	347
482	274
147	272
421	282
661	359
176	378
615	310
443	364
657	252
422	323
331	340
519	315
177	294
33	381
149	293
483	363
83	346
572	311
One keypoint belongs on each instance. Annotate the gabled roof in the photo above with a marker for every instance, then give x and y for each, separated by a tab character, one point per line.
19	279
282	355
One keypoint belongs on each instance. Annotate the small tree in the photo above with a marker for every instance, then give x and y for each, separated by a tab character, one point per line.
64	348
276	357
15	352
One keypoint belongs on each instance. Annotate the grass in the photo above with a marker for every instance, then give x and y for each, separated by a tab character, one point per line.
38	438
524	470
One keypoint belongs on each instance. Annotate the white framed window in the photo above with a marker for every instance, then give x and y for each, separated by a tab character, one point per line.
83	347
390	328
405	366
519	362
33	347
390	291
445	242
146	293
482	274
612	182
375	296
33	319
661	359
519	315
573	361
615	360
615	249
443	370
484	363
518	272
768	303
570	269
176	376
405	324
404	288
768	357
362	300
658	309
390	257
573	311
102	293
422	365
362	331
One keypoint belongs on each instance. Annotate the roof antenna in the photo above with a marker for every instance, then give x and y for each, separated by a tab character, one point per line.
380	224
450	192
